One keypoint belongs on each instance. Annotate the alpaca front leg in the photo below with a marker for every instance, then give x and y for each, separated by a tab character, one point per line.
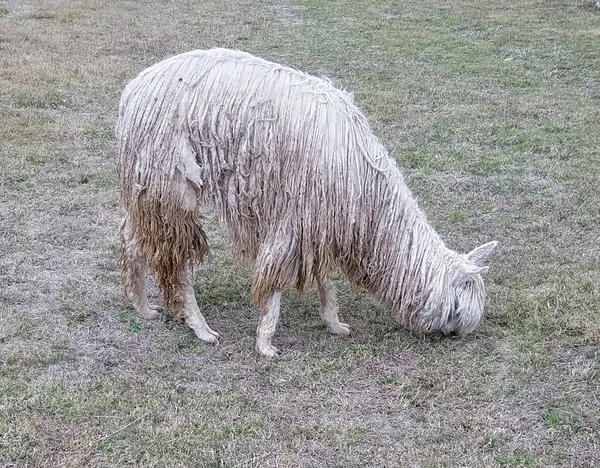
133	272
193	317
267	325
329	307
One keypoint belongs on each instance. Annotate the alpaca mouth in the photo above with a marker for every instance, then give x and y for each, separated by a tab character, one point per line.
451	334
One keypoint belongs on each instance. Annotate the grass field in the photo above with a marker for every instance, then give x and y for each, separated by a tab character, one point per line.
493	111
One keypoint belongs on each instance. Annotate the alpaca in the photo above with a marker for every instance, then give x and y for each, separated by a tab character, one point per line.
301	184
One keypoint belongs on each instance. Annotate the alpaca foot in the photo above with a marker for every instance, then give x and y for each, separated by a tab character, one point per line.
340	329
208	335
203	331
267	349
151	312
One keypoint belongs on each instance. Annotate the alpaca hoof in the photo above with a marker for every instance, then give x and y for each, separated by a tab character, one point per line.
340	329
149	313
267	350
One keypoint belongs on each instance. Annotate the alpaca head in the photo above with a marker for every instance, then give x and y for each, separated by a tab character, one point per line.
467	295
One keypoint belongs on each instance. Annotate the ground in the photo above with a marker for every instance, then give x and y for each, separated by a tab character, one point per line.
491	109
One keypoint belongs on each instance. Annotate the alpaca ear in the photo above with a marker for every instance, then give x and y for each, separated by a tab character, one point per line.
479	255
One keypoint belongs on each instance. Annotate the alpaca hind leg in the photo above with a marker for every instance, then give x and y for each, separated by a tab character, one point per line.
329	307
267	325
190	310
133	272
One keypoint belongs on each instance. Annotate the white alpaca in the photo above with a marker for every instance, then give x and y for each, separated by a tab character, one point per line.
301	183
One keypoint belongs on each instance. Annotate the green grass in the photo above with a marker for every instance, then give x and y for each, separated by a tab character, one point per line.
523	460
492	111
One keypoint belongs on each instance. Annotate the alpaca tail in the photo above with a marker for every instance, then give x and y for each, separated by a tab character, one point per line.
159	181
168	232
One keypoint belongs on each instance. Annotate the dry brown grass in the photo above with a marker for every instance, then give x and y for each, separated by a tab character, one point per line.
493	111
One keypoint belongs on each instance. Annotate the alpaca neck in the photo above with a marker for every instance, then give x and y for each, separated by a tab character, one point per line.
402	255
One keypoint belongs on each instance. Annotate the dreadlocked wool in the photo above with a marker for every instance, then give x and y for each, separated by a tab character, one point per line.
300	181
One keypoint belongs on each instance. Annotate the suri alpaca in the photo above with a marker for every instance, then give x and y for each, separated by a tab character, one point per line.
301	184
